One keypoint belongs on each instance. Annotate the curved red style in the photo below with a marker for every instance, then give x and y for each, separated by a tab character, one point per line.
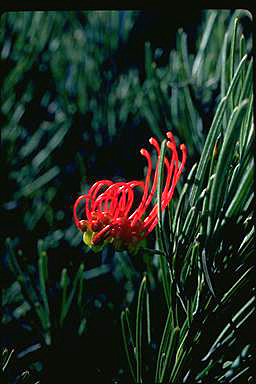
109	214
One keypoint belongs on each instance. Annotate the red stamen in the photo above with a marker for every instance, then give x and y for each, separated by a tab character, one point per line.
174	178
153	214
129	201
152	219
153	190
80	198
118	205
96	188
98	238
98	202
183	160
145	153
88	212
112	195
108	204
139	211
122	201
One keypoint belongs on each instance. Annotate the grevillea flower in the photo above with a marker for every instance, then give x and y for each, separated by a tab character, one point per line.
108	214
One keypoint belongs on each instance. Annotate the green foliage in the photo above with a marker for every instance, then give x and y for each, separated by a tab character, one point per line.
37	297
203	264
52	79
6	363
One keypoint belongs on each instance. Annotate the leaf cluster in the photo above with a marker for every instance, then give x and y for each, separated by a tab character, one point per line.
206	248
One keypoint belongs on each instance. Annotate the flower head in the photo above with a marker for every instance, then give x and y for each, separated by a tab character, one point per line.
108	214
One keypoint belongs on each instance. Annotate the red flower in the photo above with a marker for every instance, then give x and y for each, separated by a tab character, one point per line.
109	215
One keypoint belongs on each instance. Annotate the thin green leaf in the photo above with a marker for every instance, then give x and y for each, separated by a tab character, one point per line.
148	60
43	255
177	367
223	164
205	156
178	211
232	59
129	329
198	62
242	193
239	284
55	141
207	273
212	136
63	284
67	301
6	362
247	83
125	339
184	53
148	317
42	281
27	287
39	182
223	84
169	326
139	330
247	128
242	51
170	353
160	232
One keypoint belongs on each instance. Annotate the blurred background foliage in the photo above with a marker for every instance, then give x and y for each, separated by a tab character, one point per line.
81	93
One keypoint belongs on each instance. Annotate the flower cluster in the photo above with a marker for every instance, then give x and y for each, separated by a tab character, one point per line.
108	214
